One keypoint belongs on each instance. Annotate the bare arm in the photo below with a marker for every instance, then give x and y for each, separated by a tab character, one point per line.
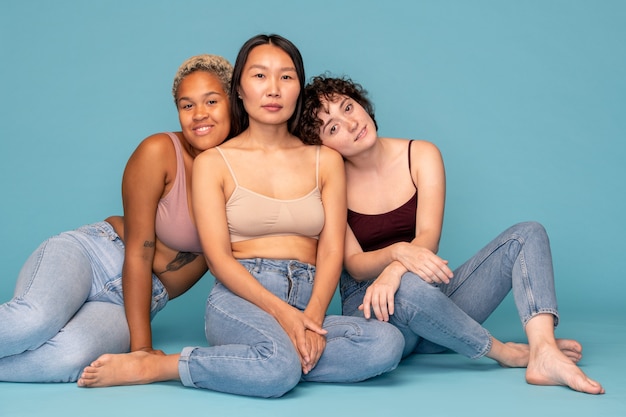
330	247
429	176
142	187
388	265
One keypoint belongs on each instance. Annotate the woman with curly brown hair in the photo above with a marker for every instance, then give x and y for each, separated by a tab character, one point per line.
392	268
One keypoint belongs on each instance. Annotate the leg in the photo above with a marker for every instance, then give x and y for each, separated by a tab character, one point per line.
357	349
96	328
250	354
53	284
520	258
548	365
423	312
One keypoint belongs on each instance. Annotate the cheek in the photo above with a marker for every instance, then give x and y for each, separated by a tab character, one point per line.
183	118
330	141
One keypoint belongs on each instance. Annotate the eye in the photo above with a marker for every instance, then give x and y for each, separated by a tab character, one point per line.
332	130
348	107
185	106
211	102
287	77
259	76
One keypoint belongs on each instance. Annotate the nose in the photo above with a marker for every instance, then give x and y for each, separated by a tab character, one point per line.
273	89
200	113
352	124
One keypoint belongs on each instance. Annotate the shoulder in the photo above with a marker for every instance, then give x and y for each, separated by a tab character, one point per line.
208	156
330	161
210	165
422	145
421	149
328	154
158	144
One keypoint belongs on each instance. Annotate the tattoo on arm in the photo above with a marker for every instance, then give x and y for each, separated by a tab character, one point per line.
181	259
148	244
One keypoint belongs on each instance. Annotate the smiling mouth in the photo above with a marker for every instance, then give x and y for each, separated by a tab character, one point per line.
202	129
361	134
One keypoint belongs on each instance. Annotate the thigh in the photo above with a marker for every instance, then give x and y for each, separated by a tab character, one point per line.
482	282
229	319
97	328
357	349
52	285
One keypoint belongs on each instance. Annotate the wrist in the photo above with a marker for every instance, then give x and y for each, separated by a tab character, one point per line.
396	251
395	268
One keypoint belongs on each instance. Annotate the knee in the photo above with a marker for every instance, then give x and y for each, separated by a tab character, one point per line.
416	294
279	374
384	345
390	346
530	229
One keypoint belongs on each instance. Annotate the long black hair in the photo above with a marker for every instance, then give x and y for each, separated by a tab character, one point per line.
239	116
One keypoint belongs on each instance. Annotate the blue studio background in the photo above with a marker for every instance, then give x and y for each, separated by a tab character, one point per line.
526	100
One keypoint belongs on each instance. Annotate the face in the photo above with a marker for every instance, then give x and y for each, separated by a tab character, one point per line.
269	85
203	110
346	126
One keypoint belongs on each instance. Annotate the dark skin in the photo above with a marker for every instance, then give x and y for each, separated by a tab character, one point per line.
149	176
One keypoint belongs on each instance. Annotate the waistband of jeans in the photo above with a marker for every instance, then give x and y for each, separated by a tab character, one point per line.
102	228
280	264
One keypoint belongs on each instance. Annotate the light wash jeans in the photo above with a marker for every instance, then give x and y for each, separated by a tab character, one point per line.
250	353
434	318
67	307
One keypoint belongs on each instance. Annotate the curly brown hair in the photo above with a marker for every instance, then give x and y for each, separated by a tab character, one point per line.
327	88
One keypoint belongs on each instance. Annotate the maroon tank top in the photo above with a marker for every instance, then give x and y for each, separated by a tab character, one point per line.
376	231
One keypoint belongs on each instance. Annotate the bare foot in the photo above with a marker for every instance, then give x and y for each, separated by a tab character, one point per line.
570	348
129	369
549	365
517	355
510	354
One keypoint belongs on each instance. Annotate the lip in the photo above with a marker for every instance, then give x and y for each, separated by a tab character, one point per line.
272	107
202	129
362	133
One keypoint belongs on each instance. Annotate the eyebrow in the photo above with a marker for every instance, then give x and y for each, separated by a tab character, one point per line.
327	110
265	67
207	94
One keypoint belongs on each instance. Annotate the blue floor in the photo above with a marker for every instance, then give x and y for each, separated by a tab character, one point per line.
424	385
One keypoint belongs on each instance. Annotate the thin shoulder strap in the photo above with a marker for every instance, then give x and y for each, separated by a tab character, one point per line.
410	172
180	162
317	167
232	173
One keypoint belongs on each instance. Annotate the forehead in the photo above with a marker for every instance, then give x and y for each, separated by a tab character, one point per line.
268	55
200	82
330	103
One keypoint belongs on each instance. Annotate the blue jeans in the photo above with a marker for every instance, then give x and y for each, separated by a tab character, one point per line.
67	307
434	318
250	353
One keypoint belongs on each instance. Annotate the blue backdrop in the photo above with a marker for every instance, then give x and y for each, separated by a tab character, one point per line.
525	99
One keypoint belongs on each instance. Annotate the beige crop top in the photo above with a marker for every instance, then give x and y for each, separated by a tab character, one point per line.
251	215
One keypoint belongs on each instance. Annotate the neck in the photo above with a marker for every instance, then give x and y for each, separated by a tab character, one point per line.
371	158
268	136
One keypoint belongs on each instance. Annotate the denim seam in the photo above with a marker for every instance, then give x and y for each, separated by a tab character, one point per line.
269	339
481	350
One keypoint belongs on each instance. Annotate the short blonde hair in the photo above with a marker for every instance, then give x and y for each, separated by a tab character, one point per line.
214	64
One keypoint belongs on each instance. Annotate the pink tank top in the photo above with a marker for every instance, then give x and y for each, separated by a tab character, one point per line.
174	226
